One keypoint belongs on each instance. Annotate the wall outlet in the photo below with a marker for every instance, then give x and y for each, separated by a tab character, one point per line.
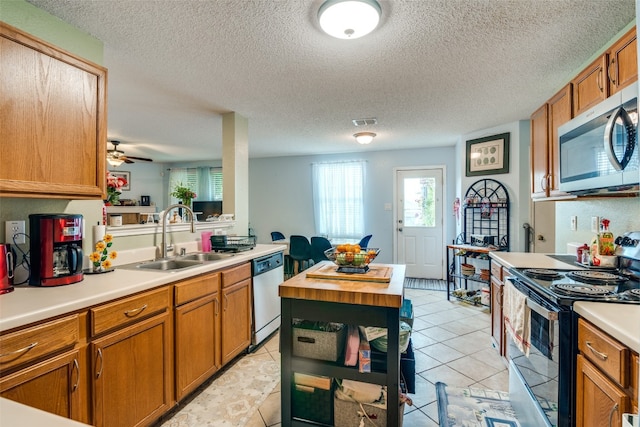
574	223
11	229
595	224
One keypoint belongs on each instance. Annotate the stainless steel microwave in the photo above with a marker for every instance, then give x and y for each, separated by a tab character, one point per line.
599	148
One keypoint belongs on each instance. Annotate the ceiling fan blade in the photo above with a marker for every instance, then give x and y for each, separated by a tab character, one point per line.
126	160
144	159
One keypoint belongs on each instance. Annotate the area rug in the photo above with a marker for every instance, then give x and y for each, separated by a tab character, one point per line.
233	397
474	407
427	284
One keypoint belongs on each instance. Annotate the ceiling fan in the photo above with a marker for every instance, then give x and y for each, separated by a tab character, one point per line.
116	157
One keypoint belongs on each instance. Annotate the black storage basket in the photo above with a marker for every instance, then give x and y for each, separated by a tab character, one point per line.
312	404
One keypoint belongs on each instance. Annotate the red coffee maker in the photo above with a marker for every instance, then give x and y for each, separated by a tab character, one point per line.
55	249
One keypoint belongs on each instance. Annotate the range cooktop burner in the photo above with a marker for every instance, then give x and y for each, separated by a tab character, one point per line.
631	294
583	290
596	277
542	273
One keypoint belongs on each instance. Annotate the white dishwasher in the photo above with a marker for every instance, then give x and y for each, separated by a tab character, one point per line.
268	274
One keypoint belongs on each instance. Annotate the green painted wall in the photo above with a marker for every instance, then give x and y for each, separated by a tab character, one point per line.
39	23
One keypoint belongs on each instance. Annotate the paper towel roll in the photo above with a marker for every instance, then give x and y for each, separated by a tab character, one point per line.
98	233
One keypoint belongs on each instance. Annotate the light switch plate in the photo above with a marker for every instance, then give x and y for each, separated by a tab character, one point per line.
12	228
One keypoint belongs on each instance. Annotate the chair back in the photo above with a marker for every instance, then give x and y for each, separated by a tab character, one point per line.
364	242
276	235
318	246
299	248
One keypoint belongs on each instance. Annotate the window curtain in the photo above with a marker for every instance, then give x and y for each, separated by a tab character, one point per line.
338	198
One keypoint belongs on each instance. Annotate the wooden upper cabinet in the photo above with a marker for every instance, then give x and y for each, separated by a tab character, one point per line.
539	151
52	120
622	69
590	86
559	114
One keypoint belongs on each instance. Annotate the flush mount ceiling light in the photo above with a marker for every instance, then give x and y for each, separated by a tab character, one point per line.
349	19
364	137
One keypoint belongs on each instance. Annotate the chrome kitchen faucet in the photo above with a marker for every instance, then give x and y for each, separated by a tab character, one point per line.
164	224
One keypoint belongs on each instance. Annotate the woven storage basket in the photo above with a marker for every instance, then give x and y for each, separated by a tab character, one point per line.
319	345
346	414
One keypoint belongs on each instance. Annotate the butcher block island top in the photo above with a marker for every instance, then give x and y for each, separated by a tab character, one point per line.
309	286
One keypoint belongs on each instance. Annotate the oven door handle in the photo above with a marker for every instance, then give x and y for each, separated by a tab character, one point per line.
547	314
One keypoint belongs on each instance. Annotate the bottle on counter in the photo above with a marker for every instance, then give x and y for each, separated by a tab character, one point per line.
606	239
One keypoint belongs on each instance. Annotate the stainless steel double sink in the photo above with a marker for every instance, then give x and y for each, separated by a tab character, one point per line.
180	262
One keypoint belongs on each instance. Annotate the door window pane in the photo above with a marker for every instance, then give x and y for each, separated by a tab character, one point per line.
419	202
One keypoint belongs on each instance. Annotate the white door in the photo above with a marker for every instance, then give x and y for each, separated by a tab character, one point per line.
419	222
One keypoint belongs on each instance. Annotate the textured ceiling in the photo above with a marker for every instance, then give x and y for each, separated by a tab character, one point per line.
432	71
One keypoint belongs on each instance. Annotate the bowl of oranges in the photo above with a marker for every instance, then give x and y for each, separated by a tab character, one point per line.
351	258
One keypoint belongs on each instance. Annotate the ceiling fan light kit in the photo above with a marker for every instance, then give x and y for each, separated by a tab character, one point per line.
349	19
364	137
116	157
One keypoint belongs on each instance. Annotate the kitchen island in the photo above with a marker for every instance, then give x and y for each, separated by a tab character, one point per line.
354	302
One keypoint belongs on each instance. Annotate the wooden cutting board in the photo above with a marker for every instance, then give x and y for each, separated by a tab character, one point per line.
376	273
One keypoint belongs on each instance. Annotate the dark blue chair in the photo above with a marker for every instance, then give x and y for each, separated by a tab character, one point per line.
318	246
364	242
300	252
276	235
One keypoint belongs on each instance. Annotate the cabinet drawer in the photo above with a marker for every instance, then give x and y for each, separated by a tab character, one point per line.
236	274
114	315
635	369
606	353
24	346
496	270
192	289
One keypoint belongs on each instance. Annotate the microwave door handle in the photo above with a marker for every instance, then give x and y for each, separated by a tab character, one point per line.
619	113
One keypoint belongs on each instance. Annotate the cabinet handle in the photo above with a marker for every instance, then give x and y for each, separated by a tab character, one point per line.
20	350
76	367
614	409
101	363
226	302
602	356
543	182
217	306
599	80
135	311
611	65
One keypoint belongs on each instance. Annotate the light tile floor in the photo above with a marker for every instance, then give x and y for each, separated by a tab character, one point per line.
452	344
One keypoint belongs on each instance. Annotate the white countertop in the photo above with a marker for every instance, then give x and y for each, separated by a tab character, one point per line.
529	260
17	414
621	321
30	304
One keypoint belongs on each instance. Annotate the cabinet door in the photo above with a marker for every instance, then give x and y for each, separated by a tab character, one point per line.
590	86
54	114
539	152
53	386
132	373
197	345
599	402
623	62
559	114
497	322
236	319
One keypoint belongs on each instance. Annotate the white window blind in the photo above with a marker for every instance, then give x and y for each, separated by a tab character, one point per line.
206	182
338	198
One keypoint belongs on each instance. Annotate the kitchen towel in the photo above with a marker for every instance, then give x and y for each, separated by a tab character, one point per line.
517	317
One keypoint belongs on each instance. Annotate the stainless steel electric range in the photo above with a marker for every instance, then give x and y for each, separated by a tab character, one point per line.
542	383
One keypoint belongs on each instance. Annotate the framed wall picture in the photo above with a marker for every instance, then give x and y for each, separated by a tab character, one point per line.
127	177
488	155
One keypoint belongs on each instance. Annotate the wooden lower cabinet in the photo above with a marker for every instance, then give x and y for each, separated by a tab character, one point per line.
236	319
53	386
197	332
599	401
497	320
133	373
